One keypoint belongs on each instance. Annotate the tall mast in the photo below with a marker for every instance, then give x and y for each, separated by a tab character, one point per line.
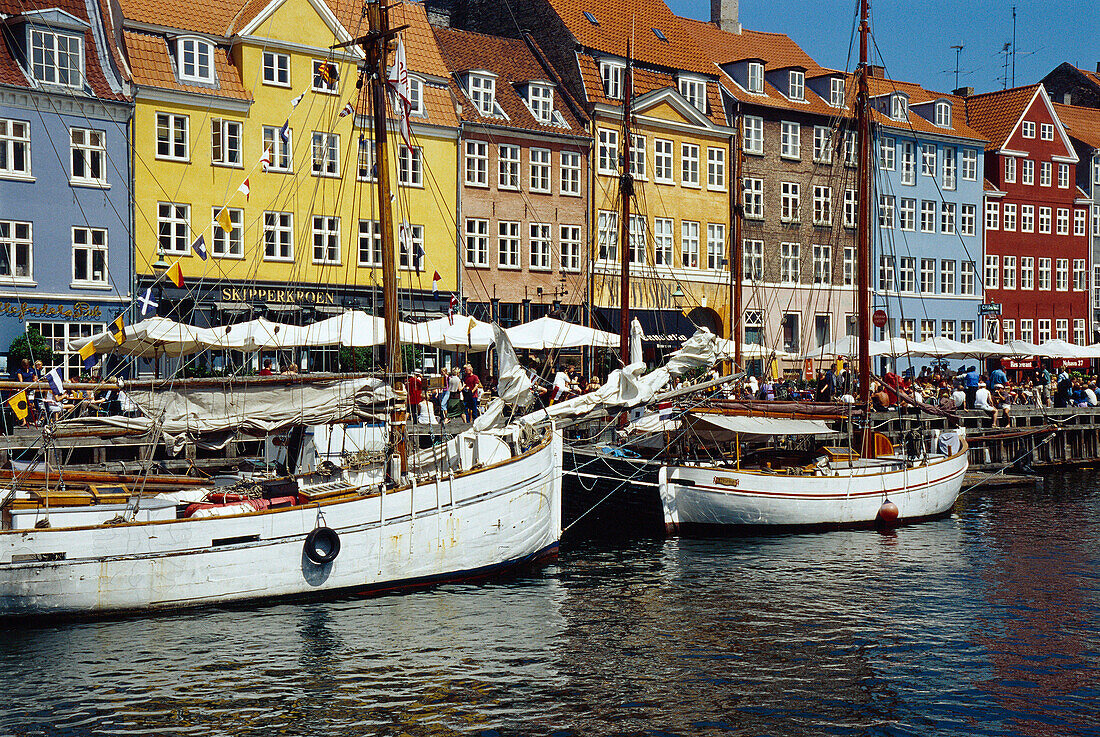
737	257
863	246
626	191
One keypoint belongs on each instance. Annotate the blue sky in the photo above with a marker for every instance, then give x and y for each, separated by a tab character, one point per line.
914	39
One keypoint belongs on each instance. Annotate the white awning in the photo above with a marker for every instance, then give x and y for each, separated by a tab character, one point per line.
747	425
546	333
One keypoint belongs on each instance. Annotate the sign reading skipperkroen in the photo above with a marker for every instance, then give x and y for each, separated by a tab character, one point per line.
278	295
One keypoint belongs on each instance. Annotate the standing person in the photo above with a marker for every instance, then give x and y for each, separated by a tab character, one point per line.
560	387
471	385
998	376
970	383
266	370
415	392
453	405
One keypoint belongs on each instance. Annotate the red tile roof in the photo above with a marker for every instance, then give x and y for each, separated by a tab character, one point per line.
151	66
1082	123
918	95
995	114
645	81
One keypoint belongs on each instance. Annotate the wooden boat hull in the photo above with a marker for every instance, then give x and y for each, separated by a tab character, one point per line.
467	526
716	497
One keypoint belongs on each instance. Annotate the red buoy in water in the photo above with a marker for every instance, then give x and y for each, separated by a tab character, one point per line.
887	513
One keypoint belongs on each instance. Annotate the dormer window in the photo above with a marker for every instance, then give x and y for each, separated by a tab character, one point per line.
899	107
836	91
56	58
943	115
756	77
796	85
540	98
416	95
196	60
612	74
695	92
482	90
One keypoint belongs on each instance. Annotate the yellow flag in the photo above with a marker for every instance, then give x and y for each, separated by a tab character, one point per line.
18	404
224	222
774	370
118	330
87	354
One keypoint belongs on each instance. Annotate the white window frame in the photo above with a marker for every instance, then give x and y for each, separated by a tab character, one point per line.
282	159
326	240
823	205
410	166
369	251
225	143
664	241
790	267
86	248
569	242
612	74
694	90
15	149
476	242
570	174
716	246
540	245
196	60
56	58
790	141
175	143
607	151
790	200
1008	272
508	164
1027	272
318	82
689	165
476	163
481	89
796	85
278	236
823	144
689	244
664	171
948	285
992	215
755	78
325	154
753	135
508	244
540	101
540	174
276	69
752	196
716	169
969	165
88	150
174	227
231	244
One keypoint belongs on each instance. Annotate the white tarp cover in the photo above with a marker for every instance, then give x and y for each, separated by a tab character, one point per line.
467	334
636	335
939	347
546	333
768	426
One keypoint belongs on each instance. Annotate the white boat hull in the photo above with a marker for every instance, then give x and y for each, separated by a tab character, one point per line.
724	497
460	527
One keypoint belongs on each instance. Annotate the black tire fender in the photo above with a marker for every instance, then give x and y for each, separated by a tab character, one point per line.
322	545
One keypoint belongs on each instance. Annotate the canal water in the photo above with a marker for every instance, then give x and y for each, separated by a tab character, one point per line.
987	623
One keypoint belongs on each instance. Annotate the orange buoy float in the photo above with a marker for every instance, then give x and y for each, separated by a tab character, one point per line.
887	514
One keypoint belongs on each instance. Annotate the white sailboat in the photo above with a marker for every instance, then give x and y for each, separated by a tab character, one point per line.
484	502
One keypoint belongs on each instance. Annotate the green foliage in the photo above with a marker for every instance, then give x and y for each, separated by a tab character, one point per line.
31	346
411	358
356	360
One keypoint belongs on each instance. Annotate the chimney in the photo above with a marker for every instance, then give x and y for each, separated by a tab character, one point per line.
964	91
723	13
1097	63
876	71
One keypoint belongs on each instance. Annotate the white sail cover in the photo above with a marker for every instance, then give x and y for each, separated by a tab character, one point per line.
762	426
636	335
547	333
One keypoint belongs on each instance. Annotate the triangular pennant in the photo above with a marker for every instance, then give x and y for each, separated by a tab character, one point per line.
175	275
199	247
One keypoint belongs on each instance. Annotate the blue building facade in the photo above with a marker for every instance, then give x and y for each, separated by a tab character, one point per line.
65	205
928	196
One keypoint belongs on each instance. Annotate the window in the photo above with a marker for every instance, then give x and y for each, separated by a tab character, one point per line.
716	246
174	227
1079	275
508	166
196	60
850	152
1080	222
823	264
928	159
1079	332
637	156
942	114
907	277
416	107
612	74
689	164
908	163
716	168
608	151
689	244
1028	129
823	149
326	240
1008	330
15	149
791	141
927	216
754	135
796	85
1027	272
1095	170
992	272
326	78
1027	175
756	77
927	329
991	329
968	219
1063	176
753	195
836	91
886	277
1044	331
788	326
752	262
790	202
172	141
967	278
477	163
89	156
570	247
1010	217
477	242
1008	274
899	107
969	165
410	239
949	165
1096	220
947	276
823	205
928	276
410	166
849	266
907	213
662	241
225	142
1063	221
1027	218
59	335
947	329
540	99
695	92
1026	330
276	69
279	236
280	152
1046	131
231	244
662	161
607	235
947	218
789	272
992	215
540	170
326	154
851	208
56	58
1044	274
1044	173
1062	274
885	211
540	246
887	150
370	243
89	256
1010	169
508	244
570	173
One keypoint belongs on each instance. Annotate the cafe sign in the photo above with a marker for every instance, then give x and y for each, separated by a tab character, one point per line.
24	310
278	295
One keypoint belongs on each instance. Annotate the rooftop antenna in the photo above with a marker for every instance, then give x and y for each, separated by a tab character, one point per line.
1004	77
958	50
1013	45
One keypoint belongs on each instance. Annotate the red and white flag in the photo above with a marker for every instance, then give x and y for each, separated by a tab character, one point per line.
451	310
347	110
243	189
265	160
435	282
398	81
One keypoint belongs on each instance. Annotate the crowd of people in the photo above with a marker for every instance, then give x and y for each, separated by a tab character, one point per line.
44	404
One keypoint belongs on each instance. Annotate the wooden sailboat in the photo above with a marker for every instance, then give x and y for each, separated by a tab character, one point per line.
482	503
